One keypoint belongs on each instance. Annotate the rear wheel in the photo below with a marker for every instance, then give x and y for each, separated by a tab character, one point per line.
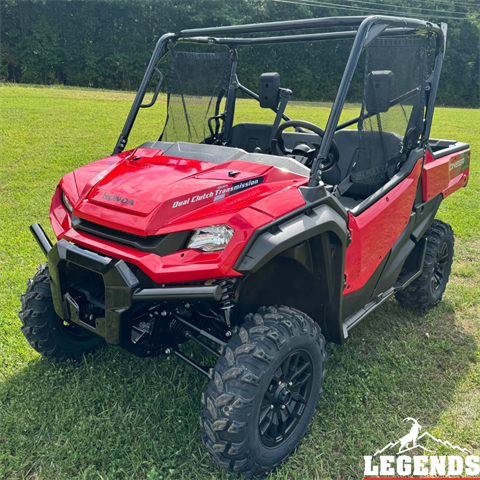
264	391
45	331
427	290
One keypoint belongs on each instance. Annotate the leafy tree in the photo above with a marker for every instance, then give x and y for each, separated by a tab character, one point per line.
108	43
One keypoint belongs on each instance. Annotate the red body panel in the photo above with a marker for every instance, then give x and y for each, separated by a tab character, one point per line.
165	195
185	265
145	195
157	194
444	175
374	231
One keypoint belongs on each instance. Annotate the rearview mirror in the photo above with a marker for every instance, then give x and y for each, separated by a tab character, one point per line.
379	91
268	90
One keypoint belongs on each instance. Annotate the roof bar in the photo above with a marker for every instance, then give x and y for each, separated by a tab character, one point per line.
291	38
325	22
275	26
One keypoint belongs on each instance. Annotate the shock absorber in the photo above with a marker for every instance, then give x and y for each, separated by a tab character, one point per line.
227	301
178	329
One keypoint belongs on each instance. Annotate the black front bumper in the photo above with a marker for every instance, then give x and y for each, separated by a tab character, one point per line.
120	284
122	288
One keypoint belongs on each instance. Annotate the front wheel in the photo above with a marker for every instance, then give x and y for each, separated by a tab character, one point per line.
264	391
45	331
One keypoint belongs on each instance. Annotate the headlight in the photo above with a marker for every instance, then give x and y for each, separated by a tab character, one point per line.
211	239
66	203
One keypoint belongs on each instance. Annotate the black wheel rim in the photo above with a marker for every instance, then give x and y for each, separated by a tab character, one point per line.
439	267
286	398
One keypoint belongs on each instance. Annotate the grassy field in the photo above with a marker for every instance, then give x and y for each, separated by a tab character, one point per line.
114	416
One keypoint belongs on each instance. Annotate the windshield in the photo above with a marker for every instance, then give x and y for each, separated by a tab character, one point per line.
196	81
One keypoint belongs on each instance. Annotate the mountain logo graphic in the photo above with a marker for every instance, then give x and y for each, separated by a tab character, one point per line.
410	441
408	456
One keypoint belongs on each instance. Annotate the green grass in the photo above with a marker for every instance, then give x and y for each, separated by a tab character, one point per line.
114	416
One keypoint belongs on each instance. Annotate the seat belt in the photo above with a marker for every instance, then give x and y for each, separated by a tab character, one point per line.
343	186
346	183
285	95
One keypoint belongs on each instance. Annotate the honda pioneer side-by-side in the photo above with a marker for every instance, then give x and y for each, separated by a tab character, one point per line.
257	241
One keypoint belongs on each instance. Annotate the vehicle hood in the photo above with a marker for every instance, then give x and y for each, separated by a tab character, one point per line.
143	190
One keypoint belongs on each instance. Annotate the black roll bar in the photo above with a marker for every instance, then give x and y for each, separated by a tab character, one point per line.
275	26
368	29
441	45
308	37
157	53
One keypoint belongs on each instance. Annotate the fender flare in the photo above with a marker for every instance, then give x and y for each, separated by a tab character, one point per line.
275	238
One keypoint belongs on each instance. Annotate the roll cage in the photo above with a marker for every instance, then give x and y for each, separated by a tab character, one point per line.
368	29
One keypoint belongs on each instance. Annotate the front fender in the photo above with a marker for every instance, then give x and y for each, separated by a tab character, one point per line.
324	227
278	237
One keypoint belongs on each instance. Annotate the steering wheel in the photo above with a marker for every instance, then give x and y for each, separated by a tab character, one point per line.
278	145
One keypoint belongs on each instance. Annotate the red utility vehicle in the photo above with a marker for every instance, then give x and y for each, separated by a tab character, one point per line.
249	239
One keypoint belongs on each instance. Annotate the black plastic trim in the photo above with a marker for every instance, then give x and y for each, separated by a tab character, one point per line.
425	214
159	244
314	197
274	241
365	310
352	302
121	289
177	294
452	146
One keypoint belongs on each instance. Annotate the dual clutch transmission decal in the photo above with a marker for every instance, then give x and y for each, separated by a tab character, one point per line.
225	190
220	192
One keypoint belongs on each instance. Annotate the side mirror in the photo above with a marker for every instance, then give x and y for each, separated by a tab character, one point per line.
268	90
379	91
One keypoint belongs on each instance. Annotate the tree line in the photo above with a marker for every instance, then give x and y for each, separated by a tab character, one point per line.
108	43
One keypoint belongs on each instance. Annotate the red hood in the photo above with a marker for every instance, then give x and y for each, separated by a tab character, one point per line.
141	196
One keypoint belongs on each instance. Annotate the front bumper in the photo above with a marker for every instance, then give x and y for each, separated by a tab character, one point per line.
122	288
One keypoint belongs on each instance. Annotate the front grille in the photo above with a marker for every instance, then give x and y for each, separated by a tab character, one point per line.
158	244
